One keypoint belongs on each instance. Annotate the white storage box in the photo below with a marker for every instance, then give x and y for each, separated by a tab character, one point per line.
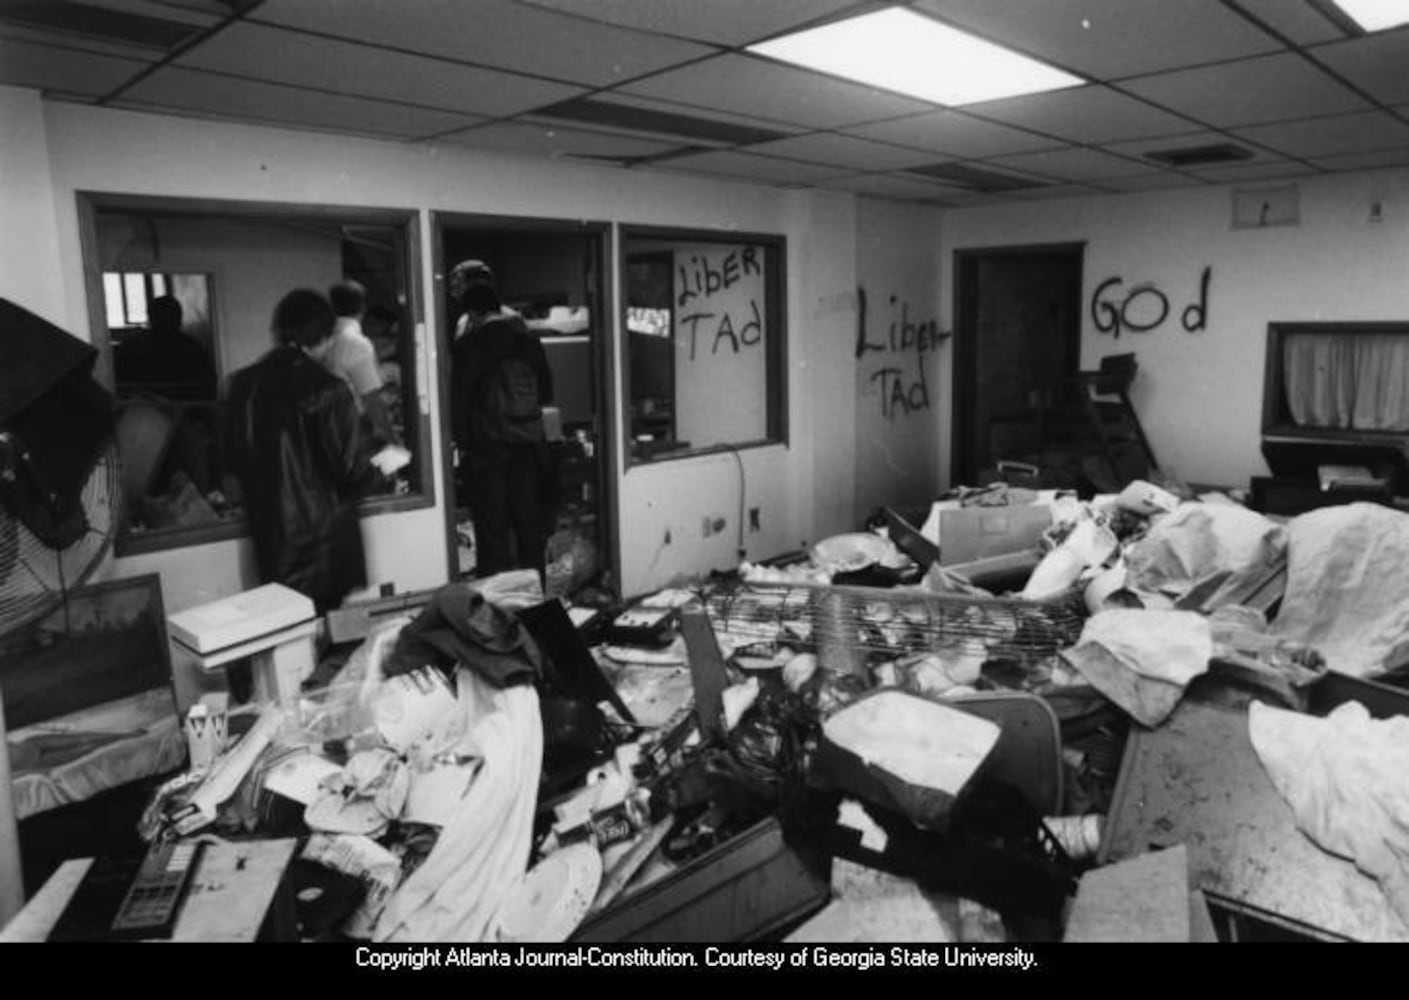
231	621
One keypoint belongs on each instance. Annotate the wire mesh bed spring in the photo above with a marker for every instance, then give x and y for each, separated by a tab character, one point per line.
878	623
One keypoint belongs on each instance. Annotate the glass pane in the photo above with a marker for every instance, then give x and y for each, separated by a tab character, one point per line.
175	353
135	288
703	358
112	300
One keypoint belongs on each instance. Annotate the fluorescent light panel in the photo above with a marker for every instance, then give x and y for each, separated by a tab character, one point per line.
1376	15
906	52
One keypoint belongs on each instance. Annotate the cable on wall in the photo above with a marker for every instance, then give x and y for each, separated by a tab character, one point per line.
739	461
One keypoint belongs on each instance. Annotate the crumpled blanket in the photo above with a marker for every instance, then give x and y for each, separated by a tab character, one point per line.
1199	540
483	849
1347	574
1344	777
461	625
1143	660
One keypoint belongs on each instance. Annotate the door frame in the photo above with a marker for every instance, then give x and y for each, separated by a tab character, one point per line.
966	289
602	317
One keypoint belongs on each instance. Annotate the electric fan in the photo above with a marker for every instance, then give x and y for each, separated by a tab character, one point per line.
60	487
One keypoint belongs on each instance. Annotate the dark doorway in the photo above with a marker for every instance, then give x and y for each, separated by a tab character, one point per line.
1017	339
553	274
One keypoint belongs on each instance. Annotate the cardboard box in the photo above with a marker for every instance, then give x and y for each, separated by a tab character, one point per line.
970	533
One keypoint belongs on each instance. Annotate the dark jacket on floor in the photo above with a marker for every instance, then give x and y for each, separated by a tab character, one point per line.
298	450
458	627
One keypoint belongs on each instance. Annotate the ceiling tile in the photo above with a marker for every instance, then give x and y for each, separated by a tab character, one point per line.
1183	140
981	200
79	43
1268	89
1055	191
553	141
1301	23
1109	39
770	90
1233	173
495	33
1362	133
43	67
148	26
1365	161
723	22
213	93
844	151
954	134
261	52
1377	64
890	186
744	165
1073	164
1165	181
664	121
202	12
693	111
1092	114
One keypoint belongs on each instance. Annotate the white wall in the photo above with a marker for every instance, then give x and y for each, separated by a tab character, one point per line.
1199	394
902	373
110	151
29	237
822	311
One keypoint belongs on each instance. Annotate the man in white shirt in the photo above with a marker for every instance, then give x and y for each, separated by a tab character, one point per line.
351	356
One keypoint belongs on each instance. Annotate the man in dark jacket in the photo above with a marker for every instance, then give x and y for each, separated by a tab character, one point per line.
301	457
500	382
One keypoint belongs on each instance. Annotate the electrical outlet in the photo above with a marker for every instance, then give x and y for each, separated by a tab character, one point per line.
754	515
705	526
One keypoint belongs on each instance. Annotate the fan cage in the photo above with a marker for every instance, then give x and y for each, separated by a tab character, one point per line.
35	577
876	624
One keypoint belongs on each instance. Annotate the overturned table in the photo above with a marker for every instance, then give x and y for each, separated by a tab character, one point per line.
1196	780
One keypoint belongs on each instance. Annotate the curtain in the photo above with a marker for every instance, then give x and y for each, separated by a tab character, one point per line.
1347	381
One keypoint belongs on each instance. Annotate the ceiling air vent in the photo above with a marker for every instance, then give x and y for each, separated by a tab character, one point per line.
633	119
977	179
91	21
1200	156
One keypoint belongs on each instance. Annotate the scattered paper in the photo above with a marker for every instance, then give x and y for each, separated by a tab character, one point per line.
298	778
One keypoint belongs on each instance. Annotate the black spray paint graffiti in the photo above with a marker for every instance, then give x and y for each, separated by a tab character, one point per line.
1144	307
901	394
703	278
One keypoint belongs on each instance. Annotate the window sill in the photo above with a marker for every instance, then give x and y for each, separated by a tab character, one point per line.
167	539
634	462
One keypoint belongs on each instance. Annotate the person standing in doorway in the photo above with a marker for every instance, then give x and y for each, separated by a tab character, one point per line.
299	452
500	382
352	356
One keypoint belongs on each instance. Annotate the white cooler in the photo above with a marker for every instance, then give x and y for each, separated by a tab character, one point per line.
273	626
